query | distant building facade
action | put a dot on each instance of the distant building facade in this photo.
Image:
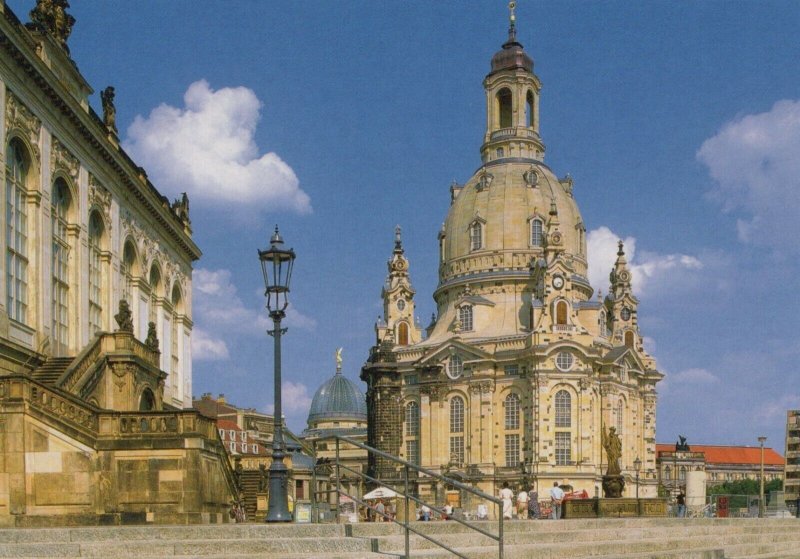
(338, 408)
(95, 313)
(719, 463)
(523, 363)
(791, 484)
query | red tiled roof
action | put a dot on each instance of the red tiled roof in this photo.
(228, 424)
(731, 454)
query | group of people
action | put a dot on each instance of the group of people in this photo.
(527, 503)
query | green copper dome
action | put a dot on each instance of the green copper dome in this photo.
(338, 399)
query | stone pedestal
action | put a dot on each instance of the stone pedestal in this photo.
(613, 486)
(614, 508)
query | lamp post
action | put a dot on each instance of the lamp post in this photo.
(761, 441)
(276, 265)
(637, 466)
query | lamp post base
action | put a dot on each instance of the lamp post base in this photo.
(278, 505)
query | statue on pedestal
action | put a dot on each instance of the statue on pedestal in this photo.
(613, 481)
(124, 317)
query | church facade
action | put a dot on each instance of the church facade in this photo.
(95, 314)
(523, 364)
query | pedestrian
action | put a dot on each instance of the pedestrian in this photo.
(557, 497)
(448, 512)
(507, 496)
(380, 510)
(426, 513)
(534, 511)
(522, 504)
(681, 500)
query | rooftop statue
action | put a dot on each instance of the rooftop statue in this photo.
(51, 17)
(109, 110)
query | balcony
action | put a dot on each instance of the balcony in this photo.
(563, 328)
(514, 133)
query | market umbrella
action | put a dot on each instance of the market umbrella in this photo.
(381, 493)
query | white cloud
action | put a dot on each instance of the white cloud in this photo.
(221, 315)
(646, 270)
(206, 348)
(295, 399)
(694, 376)
(207, 149)
(773, 411)
(754, 161)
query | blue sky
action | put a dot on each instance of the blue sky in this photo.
(679, 122)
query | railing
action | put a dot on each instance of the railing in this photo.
(410, 470)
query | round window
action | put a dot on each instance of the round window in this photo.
(401, 304)
(564, 360)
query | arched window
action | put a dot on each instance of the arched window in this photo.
(561, 313)
(147, 402)
(668, 473)
(95, 274)
(537, 237)
(16, 233)
(465, 317)
(127, 271)
(563, 409)
(512, 412)
(601, 323)
(529, 109)
(629, 338)
(155, 290)
(412, 432)
(59, 265)
(476, 236)
(620, 416)
(504, 107)
(402, 333)
(177, 309)
(682, 475)
(457, 430)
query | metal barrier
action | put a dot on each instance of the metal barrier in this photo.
(406, 495)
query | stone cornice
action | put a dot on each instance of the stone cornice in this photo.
(89, 127)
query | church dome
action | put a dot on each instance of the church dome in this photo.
(338, 399)
(510, 57)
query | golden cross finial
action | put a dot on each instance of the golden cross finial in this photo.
(512, 18)
(511, 7)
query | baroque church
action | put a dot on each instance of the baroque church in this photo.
(95, 317)
(523, 364)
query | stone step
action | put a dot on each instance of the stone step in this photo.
(270, 547)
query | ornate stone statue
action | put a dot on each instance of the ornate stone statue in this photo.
(181, 208)
(613, 447)
(51, 17)
(123, 317)
(152, 339)
(339, 359)
(109, 110)
(263, 481)
(613, 481)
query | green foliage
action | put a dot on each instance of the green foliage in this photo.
(744, 487)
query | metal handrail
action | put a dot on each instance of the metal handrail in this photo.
(407, 497)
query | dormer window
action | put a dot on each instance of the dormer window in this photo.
(537, 236)
(465, 317)
(476, 236)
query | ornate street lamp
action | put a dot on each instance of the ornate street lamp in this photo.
(761, 441)
(637, 466)
(276, 264)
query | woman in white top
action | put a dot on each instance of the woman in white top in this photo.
(507, 496)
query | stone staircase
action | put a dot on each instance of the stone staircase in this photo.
(250, 481)
(52, 369)
(575, 539)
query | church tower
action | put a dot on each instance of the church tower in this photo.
(398, 324)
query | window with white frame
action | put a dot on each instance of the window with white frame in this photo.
(512, 412)
(455, 366)
(563, 448)
(620, 416)
(16, 233)
(564, 360)
(412, 432)
(457, 430)
(95, 274)
(512, 450)
(602, 324)
(563, 409)
(59, 265)
(465, 317)
(511, 369)
(537, 236)
(476, 236)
